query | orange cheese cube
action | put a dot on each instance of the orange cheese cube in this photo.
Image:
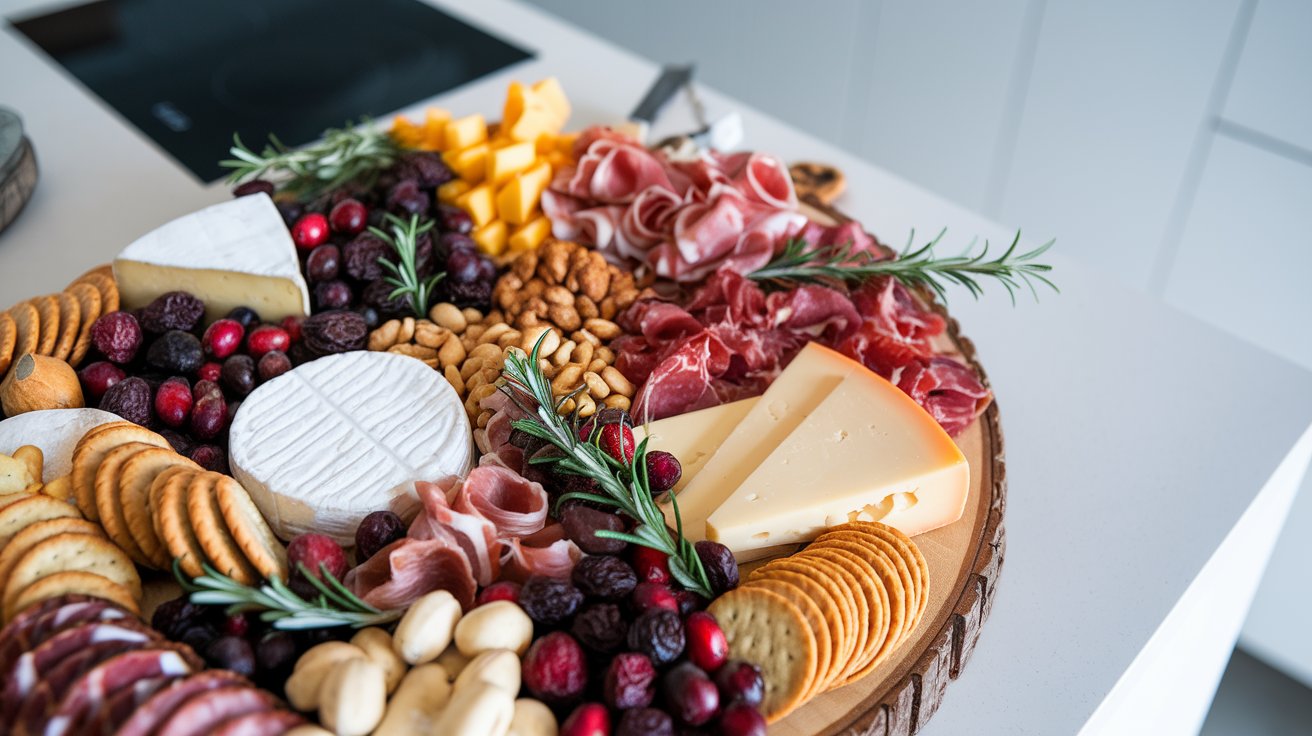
(545, 144)
(449, 192)
(535, 122)
(565, 143)
(530, 234)
(478, 203)
(518, 200)
(491, 238)
(465, 132)
(405, 132)
(503, 163)
(550, 93)
(435, 120)
(468, 163)
(514, 106)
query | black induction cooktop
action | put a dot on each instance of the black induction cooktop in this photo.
(191, 73)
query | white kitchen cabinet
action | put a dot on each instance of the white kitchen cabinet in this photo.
(1272, 89)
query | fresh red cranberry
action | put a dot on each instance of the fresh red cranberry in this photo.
(237, 624)
(223, 338)
(555, 670)
(210, 371)
(502, 590)
(265, 338)
(617, 441)
(210, 457)
(741, 719)
(653, 565)
(97, 377)
(707, 647)
(654, 595)
(690, 696)
(740, 682)
(663, 471)
(315, 550)
(173, 401)
(348, 216)
(209, 415)
(205, 388)
(589, 719)
(292, 325)
(310, 231)
(630, 681)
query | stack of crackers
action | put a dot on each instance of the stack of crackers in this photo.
(828, 615)
(58, 325)
(159, 506)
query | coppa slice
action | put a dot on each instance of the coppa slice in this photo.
(866, 452)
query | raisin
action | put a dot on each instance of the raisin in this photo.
(176, 310)
(407, 198)
(130, 399)
(334, 332)
(658, 633)
(476, 294)
(238, 375)
(645, 722)
(604, 577)
(378, 295)
(549, 601)
(117, 335)
(176, 352)
(425, 167)
(601, 627)
(581, 526)
(721, 568)
(361, 256)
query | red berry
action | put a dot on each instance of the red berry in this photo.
(237, 624)
(223, 338)
(97, 377)
(663, 471)
(589, 719)
(617, 441)
(741, 682)
(209, 415)
(653, 565)
(205, 388)
(117, 335)
(348, 216)
(314, 550)
(555, 671)
(690, 696)
(741, 719)
(211, 371)
(173, 401)
(654, 595)
(707, 647)
(310, 231)
(502, 590)
(292, 325)
(265, 338)
(630, 681)
(273, 364)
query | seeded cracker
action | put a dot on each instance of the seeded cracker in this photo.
(16, 516)
(39, 532)
(764, 628)
(70, 553)
(824, 645)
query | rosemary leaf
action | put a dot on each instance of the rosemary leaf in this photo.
(342, 156)
(404, 240)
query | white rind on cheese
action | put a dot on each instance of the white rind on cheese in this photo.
(238, 253)
(55, 431)
(325, 444)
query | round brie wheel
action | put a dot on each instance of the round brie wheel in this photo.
(325, 444)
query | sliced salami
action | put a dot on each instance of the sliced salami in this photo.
(38, 623)
(119, 705)
(32, 708)
(265, 723)
(27, 671)
(198, 714)
(163, 703)
(85, 696)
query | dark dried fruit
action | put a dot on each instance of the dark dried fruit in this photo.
(232, 653)
(605, 577)
(327, 333)
(361, 256)
(246, 316)
(663, 471)
(97, 377)
(238, 375)
(175, 615)
(549, 601)
(645, 722)
(425, 167)
(721, 567)
(209, 416)
(176, 352)
(378, 296)
(176, 310)
(476, 294)
(555, 671)
(601, 627)
(117, 335)
(332, 295)
(740, 682)
(741, 719)
(130, 399)
(180, 443)
(581, 524)
(658, 633)
(630, 681)
(690, 695)
(210, 457)
(407, 198)
(453, 219)
(377, 530)
(254, 186)
(273, 364)
(323, 264)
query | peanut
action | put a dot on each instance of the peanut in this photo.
(417, 702)
(582, 353)
(477, 710)
(496, 625)
(498, 667)
(453, 377)
(353, 698)
(585, 406)
(567, 379)
(451, 353)
(450, 317)
(616, 380)
(453, 661)
(597, 386)
(602, 328)
(306, 681)
(618, 401)
(532, 718)
(426, 628)
(430, 335)
(377, 646)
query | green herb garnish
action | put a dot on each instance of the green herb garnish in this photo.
(624, 486)
(343, 156)
(801, 263)
(404, 239)
(335, 605)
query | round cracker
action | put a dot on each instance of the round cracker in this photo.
(75, 583)
(135, 479)
(109, 509)
(909, 574)
(764, 628)
(885, 600)
(91, 450)
(104, 269)
(70, 321)
(211, 530)
(104, 283)
(27, 326)
(911, 553)
(47, 308)
(8, 341)
(870, 601)
(8, 498)
(18, 515)
(833, 597)
(40, 531)
(88, 299)
(168, 499)
(815, 618)
(252, 532)
(70, 552)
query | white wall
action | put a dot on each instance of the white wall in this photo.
(1167, 142)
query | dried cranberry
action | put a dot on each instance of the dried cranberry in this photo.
(741, 719)
(97, 377)
(323, 264)
(589, 719)
(582, 523)
(209, 416)
(605, 577)
(210, 457)
(273, 364)
(630, 681)
(313, 551)
(453, 219)
(173, 401)
(246, 316)
(327, 333)
(210, 371)
(223, 338)
(659, 634)
(601, 627)
(653, 565)
(721, 567)
(707, 646)
(740, 682)
(378, 295)
(407, 198)
(501, 590)
(549, 601)
(117, 335)
(176, 352)
(361, 257)
(348, 216)
(291, 324)
(310, 231)
(264, 338)
(663, 471)
(130, 399)
(645, 722)
(238, 375)
(690, 695)
(254, 186)
(176, 310)
(375, 531)
(555, 671)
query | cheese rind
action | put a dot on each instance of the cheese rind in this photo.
(234, 254)
(55, 431)
(325, 444)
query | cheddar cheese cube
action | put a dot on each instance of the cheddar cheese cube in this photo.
(553, 96)
(530, 234)
(468, 163)
(478, 203)
(514, 106)
(465, 132)
(565, 143)
(449, 192)
(518, 200)
(504, 163)
(491, 238)
(533, 123)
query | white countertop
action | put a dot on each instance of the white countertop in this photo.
(1137, 437)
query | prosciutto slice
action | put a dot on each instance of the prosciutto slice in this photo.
(400, 573)
(475, 535)
(546, 553)
(515, 506)
(948, 390)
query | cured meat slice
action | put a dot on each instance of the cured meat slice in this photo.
(27, 671)
(948, 390)
(197, 715)
(265, 723)
(546, 553)
(119, 705)
(406, 569)
(87, 693)
(18, 711)
(34, 625)
(515, 506)
(475, 535)
(159, 706)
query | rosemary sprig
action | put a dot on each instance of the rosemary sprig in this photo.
(342, 156)
(336, 605)
(404, 239)
(624, 486)
(801, 263)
